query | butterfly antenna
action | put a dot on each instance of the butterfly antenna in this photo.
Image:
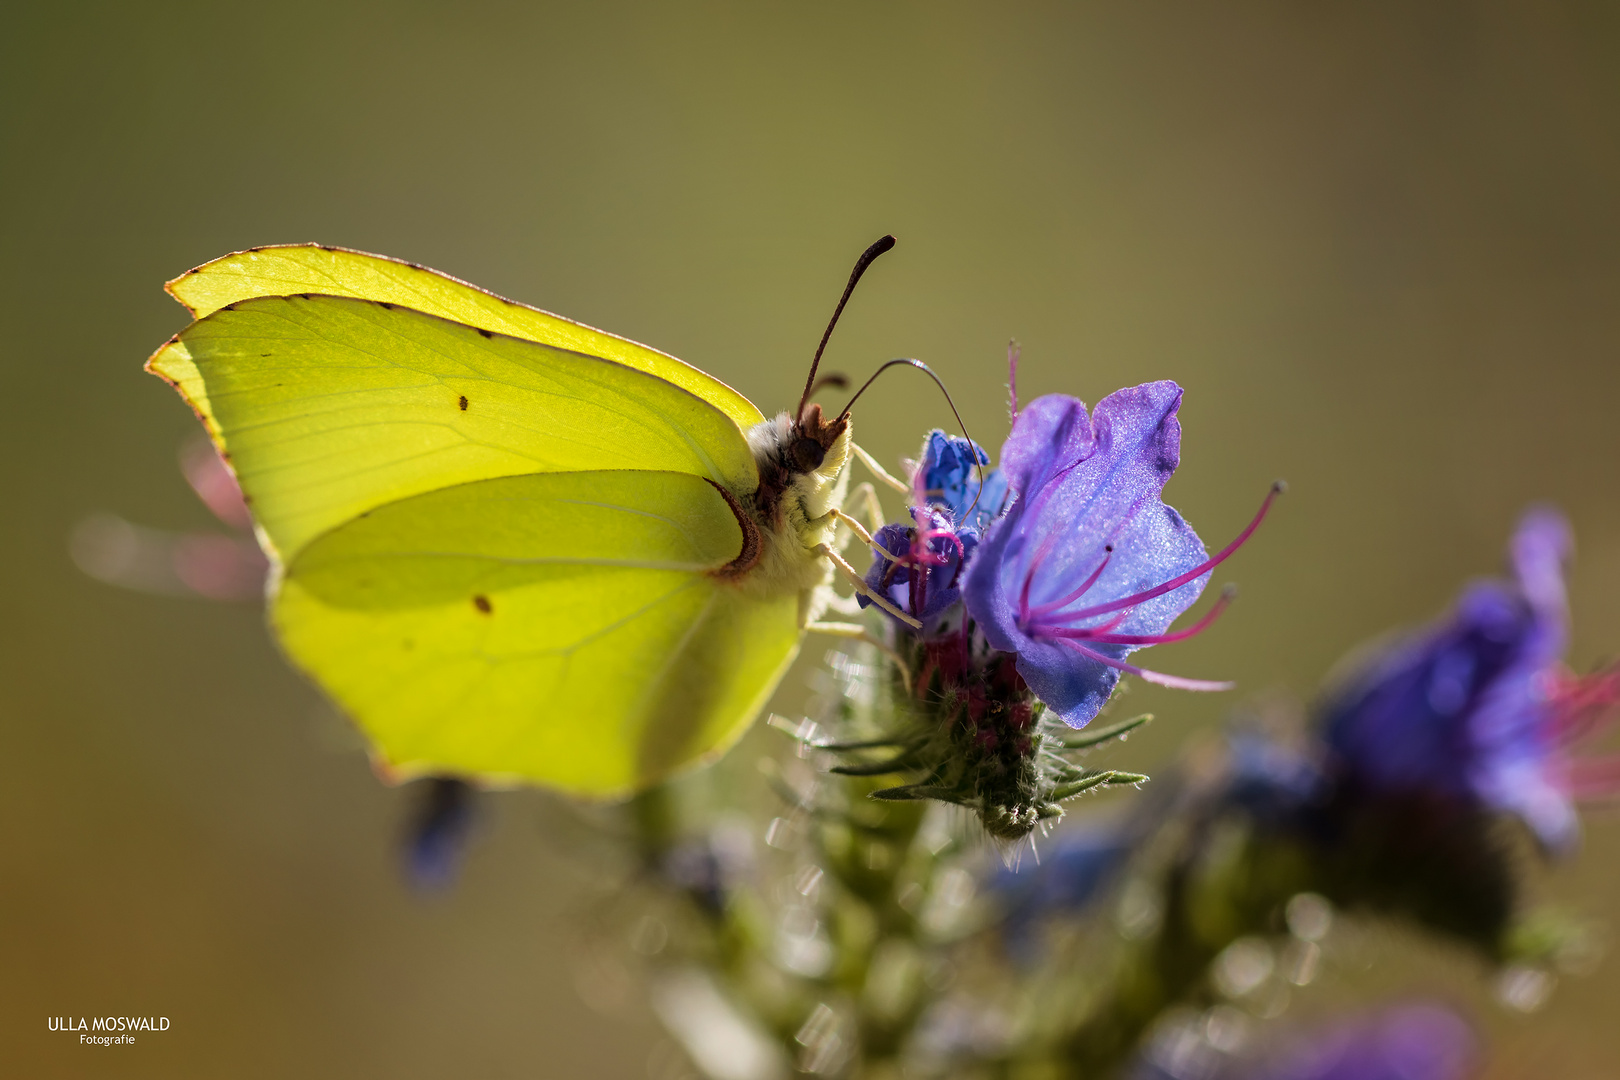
(926, 370)
(832, 378)
(866, 259)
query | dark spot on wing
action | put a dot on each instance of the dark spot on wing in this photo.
(463, 402)
(307, 295)
(262, 356)
(486, 333)
(385, 304)
(326, 247)
(228, 307)
(481, 602)
(416, 266)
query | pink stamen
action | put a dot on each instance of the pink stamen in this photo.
(927, 555)
(1085, 587)
(1583, 705)
(1594, 778)
(1180, 579)
(1100, 635)
(1035, 561)
(1174, 682)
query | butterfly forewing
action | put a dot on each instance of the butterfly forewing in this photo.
(291, 269)
(328, 407)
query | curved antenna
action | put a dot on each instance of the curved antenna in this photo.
(926, 370)
(832, 378)
(881, 245)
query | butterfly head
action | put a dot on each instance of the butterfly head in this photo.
(804, 457)
(815, 438)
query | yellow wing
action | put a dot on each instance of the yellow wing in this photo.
(291, 269)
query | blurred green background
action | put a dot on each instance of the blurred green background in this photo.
(1378, 243)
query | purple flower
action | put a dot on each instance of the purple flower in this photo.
(1272, 780)
(949, 476)
(1088, 564)
(1413, 1041)
(1069, 876)
(1081, 865)
(923, 576)
(1479, 706)
(438, 834)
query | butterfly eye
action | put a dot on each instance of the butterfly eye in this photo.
(807, 454)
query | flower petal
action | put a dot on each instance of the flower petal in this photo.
(1083, 486)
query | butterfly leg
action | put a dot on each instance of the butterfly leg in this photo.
(860, 633)
(880, 472)
(874, 510)
(866, 537)
(867, 497)
(855, 579)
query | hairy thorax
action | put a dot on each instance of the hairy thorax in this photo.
(802, 479)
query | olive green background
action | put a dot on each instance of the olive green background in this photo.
(1378, 243)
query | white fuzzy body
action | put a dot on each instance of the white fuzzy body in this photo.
(789, 562)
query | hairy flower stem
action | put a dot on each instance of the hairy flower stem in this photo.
(842, 873)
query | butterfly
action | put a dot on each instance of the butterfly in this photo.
(508, 545)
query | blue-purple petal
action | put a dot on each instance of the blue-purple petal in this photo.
(1413, 1041)
(951, 467)
(1082, 484)
(944, 582)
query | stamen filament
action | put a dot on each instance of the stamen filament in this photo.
(1594, 778)
(1035, 561)
(1100, 635)
(1174, 682)
(1180, 579)
(1085, 587)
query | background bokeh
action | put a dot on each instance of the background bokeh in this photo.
(1378, 243)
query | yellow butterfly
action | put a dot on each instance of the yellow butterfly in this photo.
(509, 545)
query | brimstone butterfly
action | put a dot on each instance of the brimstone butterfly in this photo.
(510, 546)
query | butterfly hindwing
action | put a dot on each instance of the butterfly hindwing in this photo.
(562, 628)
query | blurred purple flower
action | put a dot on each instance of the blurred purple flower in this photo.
(1412, 1041)
(1479, 706)
(437, 838)
(1271, 779)
(1415, 1040)
(1077, 867)
(949, 476)
(1088, 524)
(924, 576)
